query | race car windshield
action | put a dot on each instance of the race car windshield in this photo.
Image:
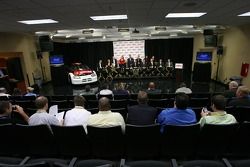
(80, 67)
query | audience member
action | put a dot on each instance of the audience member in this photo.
(232, 88)
(119, 89)
(141, 114)
(105, 118)
(183, 89)
(242, 97)
(78, 115)
(17, 92)
(88, 91)
(3, 92)
(6, 108)
(30, 92)
(152, 89)
(179, 115)
(105, 91)
(218, 116)
(41, 116)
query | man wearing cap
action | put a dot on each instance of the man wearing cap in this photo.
(30, 92)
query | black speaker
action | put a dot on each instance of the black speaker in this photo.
(220, 50)
(46, 45)
(208, 32)
(39, 55)
(210, 40)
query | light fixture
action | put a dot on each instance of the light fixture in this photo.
(104, 37)
(184, 15)
(109, 17)
(245, 14)
(173, 35)
(41, 21)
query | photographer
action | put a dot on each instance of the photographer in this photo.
(6, 109)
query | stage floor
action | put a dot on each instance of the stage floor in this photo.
(134, 85)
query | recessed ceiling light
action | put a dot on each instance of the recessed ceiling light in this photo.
(41, 21)
(183, 15)
(245, 14)
(109, 17)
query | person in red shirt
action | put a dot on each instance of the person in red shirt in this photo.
(122, 62)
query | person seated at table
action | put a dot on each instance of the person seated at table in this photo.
(109, 64)
(138, 62)
(122, 62)
(130, 62)
(145, 62)
(160, 64)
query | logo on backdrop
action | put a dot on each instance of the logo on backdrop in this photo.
(126, 48)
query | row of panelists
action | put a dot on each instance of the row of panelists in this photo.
(131, 62)
(141, 114)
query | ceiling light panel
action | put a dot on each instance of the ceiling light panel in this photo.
(109, 17)
(184, 15)
(245, 14)
(41, 21)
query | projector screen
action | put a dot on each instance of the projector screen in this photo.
(126, 48)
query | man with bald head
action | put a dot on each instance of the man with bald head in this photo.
(41, 116)
(232, 88)
(105, 118)
(152, 88)
(242, 99)
(142, 114)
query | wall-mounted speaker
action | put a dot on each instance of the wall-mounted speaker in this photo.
(220, 50)
(46, 44)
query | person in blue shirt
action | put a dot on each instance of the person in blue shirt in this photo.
(179, 115)
(30, 92)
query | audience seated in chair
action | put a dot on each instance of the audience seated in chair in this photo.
(120, 90)
(78, 115)
(88, 91)
(3, 92)
(5, 113)
(183, 89)
(179, 115)
(17, 92)
(232, 88)
(41, 116)
(105, 91)
(141, 114)
(152, 88)
(105, 118)
(242, 99)
(218, 116)
(30, 92)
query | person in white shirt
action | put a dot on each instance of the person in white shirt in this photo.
(78, 115)
(41, 117)
(105, 91)
(105, 118)
(183, 89)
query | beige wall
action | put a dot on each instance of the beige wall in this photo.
(236, 42)
(13, 42)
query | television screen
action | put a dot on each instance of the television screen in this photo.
(204, 56)
(210, 40)
(56, 60)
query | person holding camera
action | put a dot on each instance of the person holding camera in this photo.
(6, 109)
(219, 115)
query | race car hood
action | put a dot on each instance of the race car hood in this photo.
(82, 72)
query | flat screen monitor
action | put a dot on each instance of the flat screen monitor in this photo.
(204, 56)
(178, 66)
(56, 60)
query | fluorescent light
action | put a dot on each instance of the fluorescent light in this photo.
(109, 17)
(245, 14)
(42, 21)
(180, 15)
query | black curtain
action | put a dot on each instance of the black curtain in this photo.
(86, 53)
(177, 50)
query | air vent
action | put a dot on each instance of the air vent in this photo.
(123, 30)
(87, 31)
(161, 28)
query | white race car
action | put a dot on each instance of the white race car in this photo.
(81, 74)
